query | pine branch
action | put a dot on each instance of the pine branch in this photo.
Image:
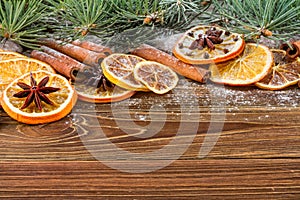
(174, 14)
(74, 18)
(132, 38)
(180, 14)
(20, 21)
(78, 18)
(278, 20)
(132, 13)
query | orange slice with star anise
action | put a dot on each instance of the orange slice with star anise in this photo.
(12, 68)
(208, 44)
(98, 95)
(38, 97)
(96, 88)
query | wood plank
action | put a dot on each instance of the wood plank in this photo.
(238, 139)
(224, 179)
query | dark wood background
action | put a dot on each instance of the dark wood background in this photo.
(256, 154)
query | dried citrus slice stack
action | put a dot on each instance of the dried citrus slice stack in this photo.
(13, 68)
(6, 55)
(118, 68)
(38, 97)
(284, 73)
(97, 95)
(252, 65)
(157, 77)
(208, 44)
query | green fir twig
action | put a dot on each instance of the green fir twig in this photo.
(20, 21)
(77, 18)
(275, 19)
(179, 14)
(129, 14)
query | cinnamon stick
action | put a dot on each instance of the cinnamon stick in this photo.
(63, 64)
(151, 53)
(93, 46)
(81, 54)
(292, 52)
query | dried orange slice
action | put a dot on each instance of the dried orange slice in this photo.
(13, 68)
(62, 100)
(252, 65)
(96, 95)
(6, 55)
(157, 77)
(208, 44)
(118, 69)
(284, 73)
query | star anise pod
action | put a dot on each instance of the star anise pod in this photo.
(97, 79)
(212, 36)
(35, 92)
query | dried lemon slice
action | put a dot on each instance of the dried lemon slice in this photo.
(157, 77)
(118, 69)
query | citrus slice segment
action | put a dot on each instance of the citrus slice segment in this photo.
(96, 95)
(157, 77)
(284, 73)
(13, 68)
(62, 100)
(118, 69)
(208, 44)
(252, 65)
(6, 55)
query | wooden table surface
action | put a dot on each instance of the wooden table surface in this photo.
(200, 141)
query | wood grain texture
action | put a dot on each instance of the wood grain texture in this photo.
(256, 154)
(209, 179)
